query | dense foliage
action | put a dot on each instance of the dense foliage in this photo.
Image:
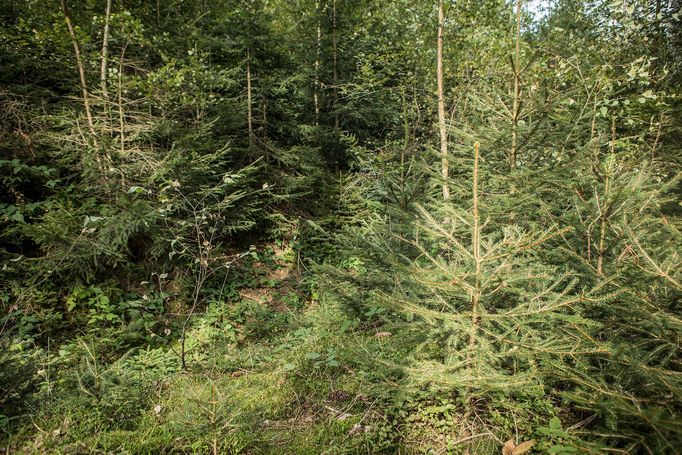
(334, 226)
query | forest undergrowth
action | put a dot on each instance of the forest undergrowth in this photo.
(333, 226)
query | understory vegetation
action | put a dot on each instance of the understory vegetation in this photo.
(335, 226)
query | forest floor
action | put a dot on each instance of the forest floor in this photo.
(271, 370)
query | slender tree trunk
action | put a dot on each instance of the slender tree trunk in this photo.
(658, 137)
(264, 132)
(81, 73)
(604, 207)
(406, 145)
(121, 117)
(335, 69)
(249, 106)
(593, 132)
(263, 128)
(316, 95)
(593, 127)
(441, 103)
(602, 230)
(105, 54)
(476, 246)
(517, 89)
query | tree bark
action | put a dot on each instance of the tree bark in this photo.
(105, 54)
(604, 206)
(335, 68)
(249, 105)
(121, 116)
(476, 247)
(517, 90)
(81, 73)
(441, 103)
(316, 95)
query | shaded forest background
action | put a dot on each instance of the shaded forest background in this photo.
(334, 226)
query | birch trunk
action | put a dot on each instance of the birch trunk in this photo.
(441, 103)
(81, 73)
(517, 90)
(476, 247)
(316, 95)
(249, 105)
(335, 69)
(105, 54)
